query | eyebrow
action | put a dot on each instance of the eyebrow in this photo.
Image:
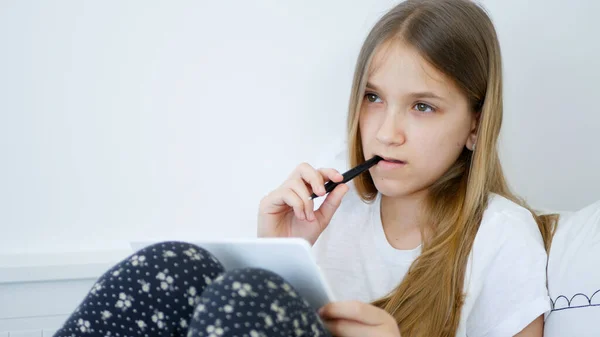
(414, 95)
(372, 86)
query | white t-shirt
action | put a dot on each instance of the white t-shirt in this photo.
(505, 281)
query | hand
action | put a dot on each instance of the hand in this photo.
(288, 210)
(358, 319)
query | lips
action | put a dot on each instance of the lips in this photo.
(393, 160)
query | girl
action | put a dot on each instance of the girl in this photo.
(429, 242)
(431, 236)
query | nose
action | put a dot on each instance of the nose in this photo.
(392, 128)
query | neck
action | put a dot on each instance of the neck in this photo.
(400, 219)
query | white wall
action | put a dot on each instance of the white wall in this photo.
(551, 134)
(123, 120)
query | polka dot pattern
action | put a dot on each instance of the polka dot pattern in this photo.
(179, 289)
(253, 302)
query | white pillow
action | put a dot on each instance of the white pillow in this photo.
(574, 275)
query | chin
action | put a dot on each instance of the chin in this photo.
(394, 188)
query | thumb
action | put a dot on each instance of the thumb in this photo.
(331, 204)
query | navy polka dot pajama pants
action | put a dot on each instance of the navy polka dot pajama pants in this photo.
(179, 289)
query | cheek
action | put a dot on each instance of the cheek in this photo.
(442, 147)
(365, 124)
(448, 133)
(442, 141)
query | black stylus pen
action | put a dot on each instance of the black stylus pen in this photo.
(350, 174)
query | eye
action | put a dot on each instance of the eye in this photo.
(371, 97)
(422, 107)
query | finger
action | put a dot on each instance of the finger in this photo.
(331, 174)
(290, 198)
(345, 328)
(354, 311)
(300, 188)
(331, 203)
(283, 197)
(313, 178)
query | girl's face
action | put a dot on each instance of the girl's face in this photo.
(413, 116)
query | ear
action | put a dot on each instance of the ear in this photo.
(472, 138)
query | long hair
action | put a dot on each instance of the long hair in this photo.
(458, 38)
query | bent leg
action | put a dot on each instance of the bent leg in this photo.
(153, 292)
(254, 302)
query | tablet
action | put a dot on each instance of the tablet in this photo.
(290, 258)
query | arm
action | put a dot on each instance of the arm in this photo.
(513, 293)
(534, 329)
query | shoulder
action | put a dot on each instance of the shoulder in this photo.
(508, 222)
(508, 242)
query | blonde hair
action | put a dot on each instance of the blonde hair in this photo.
(458, 38)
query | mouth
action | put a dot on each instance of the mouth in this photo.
(389, 163)
(391, 160)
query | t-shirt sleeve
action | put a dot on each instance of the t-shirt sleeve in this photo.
(513, 292)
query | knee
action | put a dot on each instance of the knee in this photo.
(257, 275)
(173, 254)
(172, 250)
(254, 282)
(251, 274)
(244, 290)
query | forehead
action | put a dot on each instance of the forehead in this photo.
(398, 67)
